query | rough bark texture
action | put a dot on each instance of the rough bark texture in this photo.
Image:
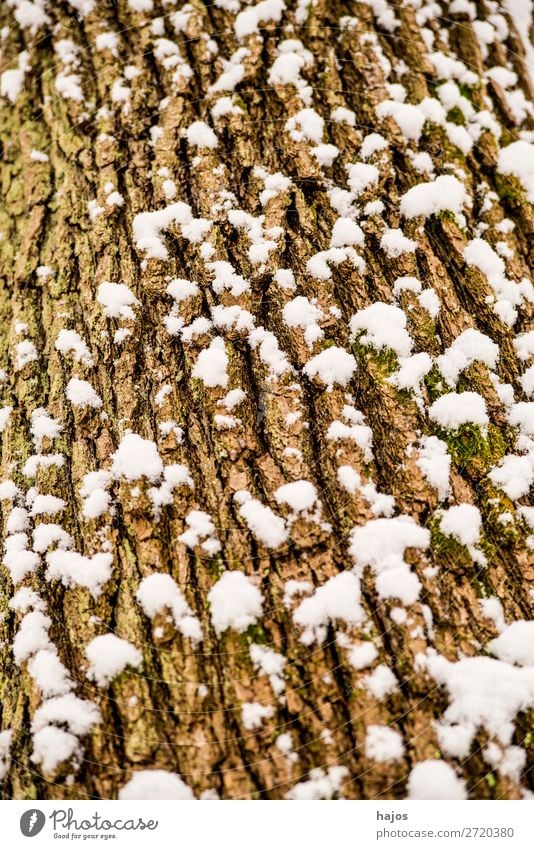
(158, 716)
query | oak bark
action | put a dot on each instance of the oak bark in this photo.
(159, 716)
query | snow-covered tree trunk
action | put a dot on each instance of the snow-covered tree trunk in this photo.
(266, 433)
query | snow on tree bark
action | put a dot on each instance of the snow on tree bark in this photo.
(266, 433)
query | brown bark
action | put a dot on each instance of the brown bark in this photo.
(156, 716)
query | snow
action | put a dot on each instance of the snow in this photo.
(381, 682)
(158, 592)
(361, 177)
(93, 491)
(411, 372)
(74, 569)
(286, 69)
(48, 673)
(514, 475)
(5, 414)
(382, 326)
(5, 746)
(306, 125)
(83, 7)
(342, 115)
(435, 780)
(174, 475)
(30, 15)
(18, 520)
(522, 15)
(410, 119)
(275, 184)
(107, 41)
(524, 345)
(141, 5)
(235, 602)
(70, 342)
(52, 746)
(199, 134)
(137, 458)
(19, 561)
(521, 415)
(227, 278)
(480, 254)
(26, 352)
(434, 462)
(469, 347)
(357, 431)
(155, 784)
(455, 409)
(108, 656)
(338, 599)
(212, 363)
(349, 478)
(394, 243)
(46, 534)
(426, 199)
(8, 490)
(228, 81)
(515, 644)
(463, 522)
(398, 583)
(334, 365)
(233, 399)
(318, 264)
(47, 505)
(25, 599)
(149, 226)
(492, 608)
(253, 715)
(69, 87)
(11, 83)
(114, 199)
(43, 426)
(383, 744)
(345, 233)
(120, 93)
(226, 422)
(381, 543)
(77, 714)
(180, 289)
(363, 655)
(322, 784)
(284, 743)
(117, 300)
(32, 636)
(508, 294)
(271, 663)
(325, 154)
(248, 21)
(483, 693)
(518, 159)
(200, 527)
(266, 526)
(81, 394)
(300, 312)
(300, 495)
(169, 189)
(373, 143)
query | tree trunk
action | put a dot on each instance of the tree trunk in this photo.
(96, 130)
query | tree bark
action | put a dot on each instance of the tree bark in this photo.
(181, 710)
